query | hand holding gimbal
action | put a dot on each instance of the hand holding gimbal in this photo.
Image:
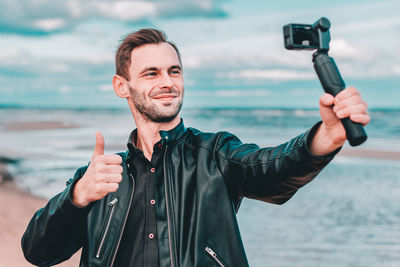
(316, 36)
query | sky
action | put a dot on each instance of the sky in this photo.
(61, 53)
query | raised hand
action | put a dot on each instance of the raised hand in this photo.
(102, 176)
(331, 134)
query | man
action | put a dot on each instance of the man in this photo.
(172, 198)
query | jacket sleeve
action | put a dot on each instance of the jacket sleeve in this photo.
(271, 174)
(56, 231)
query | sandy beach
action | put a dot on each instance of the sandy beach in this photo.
(19, 206)
(15, 212)
(37, 125)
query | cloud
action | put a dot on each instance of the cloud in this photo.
(396, 69)
(344, 49)
(51, 24)
(238, 50)
(11, 56)
(126, 10)
(32, 17)
(364, 44)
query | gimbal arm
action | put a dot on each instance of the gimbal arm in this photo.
(332, 82)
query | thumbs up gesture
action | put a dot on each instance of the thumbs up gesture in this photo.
(102, 176)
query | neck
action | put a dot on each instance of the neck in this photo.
(148, 132)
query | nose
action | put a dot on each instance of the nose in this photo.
(165, 81)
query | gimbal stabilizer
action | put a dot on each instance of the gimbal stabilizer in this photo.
(316, 36)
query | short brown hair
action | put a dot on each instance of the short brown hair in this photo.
(136, 39)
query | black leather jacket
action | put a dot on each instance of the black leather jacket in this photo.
(206, 175)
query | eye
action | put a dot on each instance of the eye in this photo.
(176, 72)
(150, 74)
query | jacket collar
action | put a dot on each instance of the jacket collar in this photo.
(167, 137)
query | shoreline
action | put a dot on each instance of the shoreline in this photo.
(59, 124)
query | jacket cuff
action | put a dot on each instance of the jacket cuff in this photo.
(309, 135)
(67, 205)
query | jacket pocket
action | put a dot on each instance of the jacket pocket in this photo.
(214, 256)
(112, 205)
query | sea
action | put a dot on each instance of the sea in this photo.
(348, 216)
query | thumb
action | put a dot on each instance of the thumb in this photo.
(326, 110)
(99, 148)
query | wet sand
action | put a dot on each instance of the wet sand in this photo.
(37, 125)
(375, 154)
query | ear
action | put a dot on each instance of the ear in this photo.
(120, 85)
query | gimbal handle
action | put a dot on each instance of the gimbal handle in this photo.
(332, 82)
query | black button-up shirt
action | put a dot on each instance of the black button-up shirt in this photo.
(138, 245)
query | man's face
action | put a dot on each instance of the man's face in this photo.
(156, 82)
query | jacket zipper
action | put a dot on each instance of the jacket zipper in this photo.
(214, 256)
(112, 205)
(167, 207)
(126, 217)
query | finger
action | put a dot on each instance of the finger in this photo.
(327, 100)
(350, 101)
(325, 109)
(355, 109)
(346, 93)
(363, 119)
(105, 188)
(99, 147)
(114, 169)
(110, 187)
(109, 178)
(112, 159)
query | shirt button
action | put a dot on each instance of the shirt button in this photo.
(151, 236)
(152, 202)
(152, 170)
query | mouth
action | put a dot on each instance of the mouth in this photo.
(165, 96)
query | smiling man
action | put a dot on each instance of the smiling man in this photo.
(171, 199)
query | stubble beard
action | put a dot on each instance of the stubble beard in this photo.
(157, 113)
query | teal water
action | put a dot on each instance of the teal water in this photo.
(199, 93)
(348, 216)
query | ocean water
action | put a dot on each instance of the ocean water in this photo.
(348, 216)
